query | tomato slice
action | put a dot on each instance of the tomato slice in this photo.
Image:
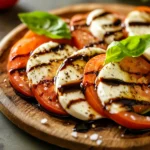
(91, 69)
(82, 38)
(81, 35)
(18, 58)
(19, 81)
(47, 97)
(143, 8)
(132, 120)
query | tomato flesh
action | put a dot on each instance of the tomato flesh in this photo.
(90, 72)
(47, 97)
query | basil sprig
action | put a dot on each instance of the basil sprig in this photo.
(44, 23)
(132, 46)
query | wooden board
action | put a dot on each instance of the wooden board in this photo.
(58, 131)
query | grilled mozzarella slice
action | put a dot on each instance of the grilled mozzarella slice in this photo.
(115, 72)
(45, 60)
(138, 23)
(115, 86)
(68, 81)
(105, 25)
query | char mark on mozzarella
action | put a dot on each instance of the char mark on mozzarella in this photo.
(45, 60)
(133, 23)
(68, 84)
(119, 90)
(46, 51)
(105, 26)
(138, 22)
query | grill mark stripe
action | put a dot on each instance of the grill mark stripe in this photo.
(116, 82)
(127, 101)
(70, 86)
(130, 103)
(109, 33)
(102, 15)
(54, 49)
(74, 27)
(139, 23)
(72, 102)
(74, 58)
(42, 65)
(117, 22)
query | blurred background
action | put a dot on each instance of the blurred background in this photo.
(11, 137)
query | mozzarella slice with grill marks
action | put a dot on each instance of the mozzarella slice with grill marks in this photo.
(115, 86)
(137, 23)
(114, 71)
(68, 81)
(105, 25)
(45, 60)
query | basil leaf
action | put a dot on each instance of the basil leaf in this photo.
(46, 24)
(132, 46)
(112, 54)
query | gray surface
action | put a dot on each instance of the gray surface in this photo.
(12, 138)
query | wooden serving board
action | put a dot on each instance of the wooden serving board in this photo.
(58, 131)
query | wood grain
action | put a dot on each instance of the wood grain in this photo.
(27, 115)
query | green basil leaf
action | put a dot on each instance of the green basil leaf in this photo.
(132, 46)
(113, 55)
(46, 24)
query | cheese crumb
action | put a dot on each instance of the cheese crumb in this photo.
(94, 137)
(44, 121)
(74, 134)
(98, 142)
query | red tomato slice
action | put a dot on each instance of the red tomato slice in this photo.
(143, 8)
(93, 66)
(19, 81)
(18, 58)
(131, 120)
(82, 36)
(127, 119)
(47, 97)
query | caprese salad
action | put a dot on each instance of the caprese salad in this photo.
(96, 65)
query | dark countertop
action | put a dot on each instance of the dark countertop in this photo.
(11, 137)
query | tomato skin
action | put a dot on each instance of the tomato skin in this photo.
(18, 58)
(130, 120)
(16, 67)
(48, 99)
(81, 35)
(91, 68)
(20, 83)
(143, 8)
(7, 3)
(127, 119)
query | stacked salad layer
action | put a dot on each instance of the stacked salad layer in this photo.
(92, 66)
